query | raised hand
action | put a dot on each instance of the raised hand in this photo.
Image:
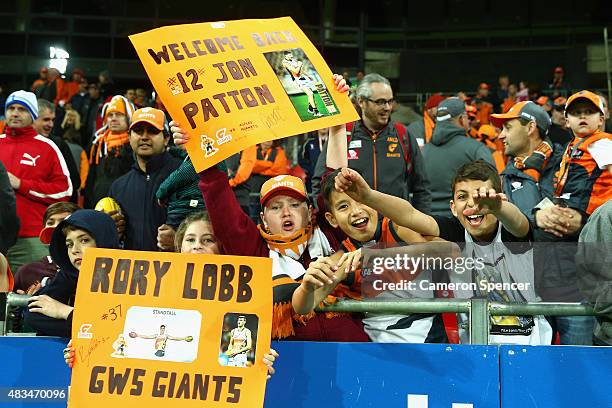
(179, 136)
(350, 182)
(486, 201)
(340, 83)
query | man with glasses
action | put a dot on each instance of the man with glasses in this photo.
(381, 150)
(448, 150)
(146, 228)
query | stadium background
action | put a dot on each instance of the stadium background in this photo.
(422, 47)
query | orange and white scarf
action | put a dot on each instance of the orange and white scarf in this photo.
(287, 272)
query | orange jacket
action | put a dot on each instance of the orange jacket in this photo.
(429, 124)
(580, 179)
(70, 89)
(500, 160)
(84, 169)
(508, 103)
(265, 167)
(485, 109)
(247, 162)
(37, 83)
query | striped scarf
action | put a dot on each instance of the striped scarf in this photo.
(537, 161)
(107, 144)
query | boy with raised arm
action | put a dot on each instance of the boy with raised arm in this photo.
(490, 230)
(290, 236)
(364, 227)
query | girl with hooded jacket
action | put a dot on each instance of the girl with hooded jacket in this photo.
(49, 312)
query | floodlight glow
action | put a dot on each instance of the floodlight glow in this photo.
(58, 59)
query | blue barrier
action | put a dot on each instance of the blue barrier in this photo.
(555, 377)
(383, 375)
(32, 363)
(377, 375)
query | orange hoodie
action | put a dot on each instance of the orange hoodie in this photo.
(247, 162)
(265, 167)
(429, 124)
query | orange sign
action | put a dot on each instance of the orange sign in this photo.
(234, 84)
(159, 329)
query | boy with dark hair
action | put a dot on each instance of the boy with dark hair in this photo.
(49, 312)
(584, 179)
(484, 225)
(364, 227)
(582, 183)
(31, 277)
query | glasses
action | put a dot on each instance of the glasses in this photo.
(381, 102)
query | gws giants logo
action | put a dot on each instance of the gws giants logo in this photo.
(85, 331)
(144, 113)
(222, 137)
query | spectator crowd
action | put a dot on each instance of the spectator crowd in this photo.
(513, 175)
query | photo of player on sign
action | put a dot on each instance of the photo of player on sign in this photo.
(161, 339)
(307, 92)
(238, 340)
(161, 334)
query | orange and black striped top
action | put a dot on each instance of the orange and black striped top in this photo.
(579, 179)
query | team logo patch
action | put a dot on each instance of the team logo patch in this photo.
(353, 154)
(85, 331)
(516, 185)
(577, 154)
(392, 147)
(222, 136)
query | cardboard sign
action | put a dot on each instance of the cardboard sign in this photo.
(159, 329)
(234, 84)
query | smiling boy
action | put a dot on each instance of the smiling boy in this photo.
(484, 224)
(364, 227)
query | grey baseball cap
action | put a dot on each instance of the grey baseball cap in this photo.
(526, 110)
(450, 108)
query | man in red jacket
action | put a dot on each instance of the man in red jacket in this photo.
(37, 172)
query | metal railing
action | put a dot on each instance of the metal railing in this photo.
(478, 310)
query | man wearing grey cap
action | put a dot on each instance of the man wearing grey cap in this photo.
(528, 183)
(528, 176)
(448, 150)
